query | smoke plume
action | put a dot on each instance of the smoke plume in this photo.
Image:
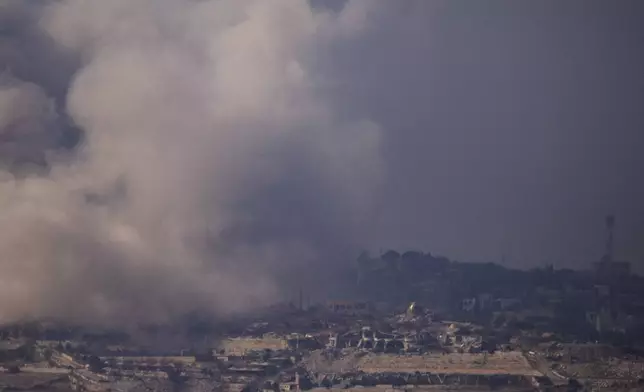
(159, 157)
(213, 168)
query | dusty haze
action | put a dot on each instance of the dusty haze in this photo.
(210, 164)
(228, 147)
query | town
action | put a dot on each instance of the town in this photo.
(321, 195)
(421, 322)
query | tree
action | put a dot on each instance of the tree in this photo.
(412, 255)
(391, 259)
(391, 256)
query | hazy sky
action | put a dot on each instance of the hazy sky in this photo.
(231, 145)
(512, 127)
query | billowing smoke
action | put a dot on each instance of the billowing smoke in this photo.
(213, 170)
(159, 157)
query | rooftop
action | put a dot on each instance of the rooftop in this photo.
(8, 345)
(507, 363)
(240, 345)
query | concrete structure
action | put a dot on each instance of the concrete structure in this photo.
(499, 363)
(242, 346)
(373, 340)
(85, 380)
(150, 361)
(11, 350)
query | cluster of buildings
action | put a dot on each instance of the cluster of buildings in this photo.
(339, 345)
(420, 322)
(341, 348)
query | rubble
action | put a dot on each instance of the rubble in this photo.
(510, 335)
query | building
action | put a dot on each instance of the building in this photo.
(243, 346)
(13, 350)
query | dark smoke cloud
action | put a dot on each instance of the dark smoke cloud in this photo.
(235, 149)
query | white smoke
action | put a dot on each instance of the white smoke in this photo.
(27, 121)
(211, 162)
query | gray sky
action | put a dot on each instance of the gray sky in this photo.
(512, 127)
